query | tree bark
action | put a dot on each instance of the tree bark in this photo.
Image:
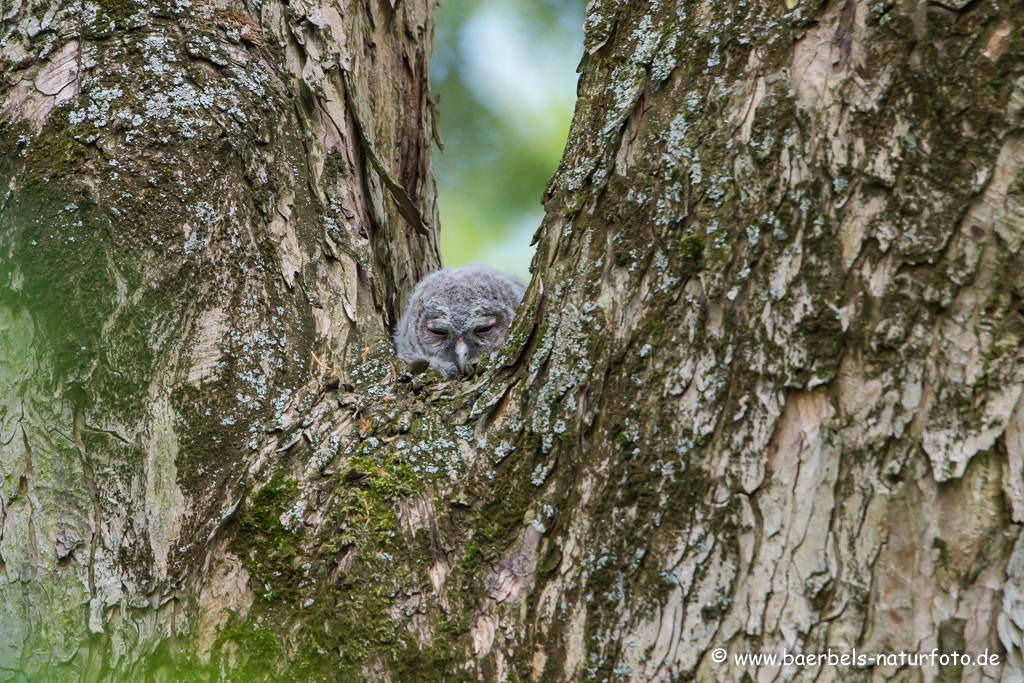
(811, 443)
(197, 199)
(763, 394)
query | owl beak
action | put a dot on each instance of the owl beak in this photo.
(461, 355)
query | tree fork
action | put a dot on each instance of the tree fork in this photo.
(770, 399)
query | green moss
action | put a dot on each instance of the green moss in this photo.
(346, 579)
(261, 515)
(390, 477)
(54, 152)
(347, 618)
(120, 11)
(267, 548)
(260, 645)
(494, 524)
(350, 574)
(691, 256)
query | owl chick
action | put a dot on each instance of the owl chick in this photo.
(456, 314)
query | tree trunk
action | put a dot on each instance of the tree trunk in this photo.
(763, 394)
(197, 199)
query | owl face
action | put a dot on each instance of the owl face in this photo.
(456, 314)
(461, 339)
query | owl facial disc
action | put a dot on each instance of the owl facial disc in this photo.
(455, 315)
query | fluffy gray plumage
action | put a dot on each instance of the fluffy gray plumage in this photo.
(456, 314)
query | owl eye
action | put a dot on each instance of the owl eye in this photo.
(437, 331)
(485, 329)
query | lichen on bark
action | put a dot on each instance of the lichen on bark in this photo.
(762, 393)
(180, 250)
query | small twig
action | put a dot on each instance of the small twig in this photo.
(323, 366)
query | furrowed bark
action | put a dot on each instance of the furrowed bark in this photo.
(197, 199)
(763, 393)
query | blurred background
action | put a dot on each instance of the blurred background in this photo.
(505, 71)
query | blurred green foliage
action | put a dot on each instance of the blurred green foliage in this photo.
(505, 71)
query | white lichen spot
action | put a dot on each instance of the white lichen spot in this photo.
(753, 234)
(541, 473)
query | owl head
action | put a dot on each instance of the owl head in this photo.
(456, 314)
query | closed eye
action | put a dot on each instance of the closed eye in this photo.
(437, 331)
(485, 329)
